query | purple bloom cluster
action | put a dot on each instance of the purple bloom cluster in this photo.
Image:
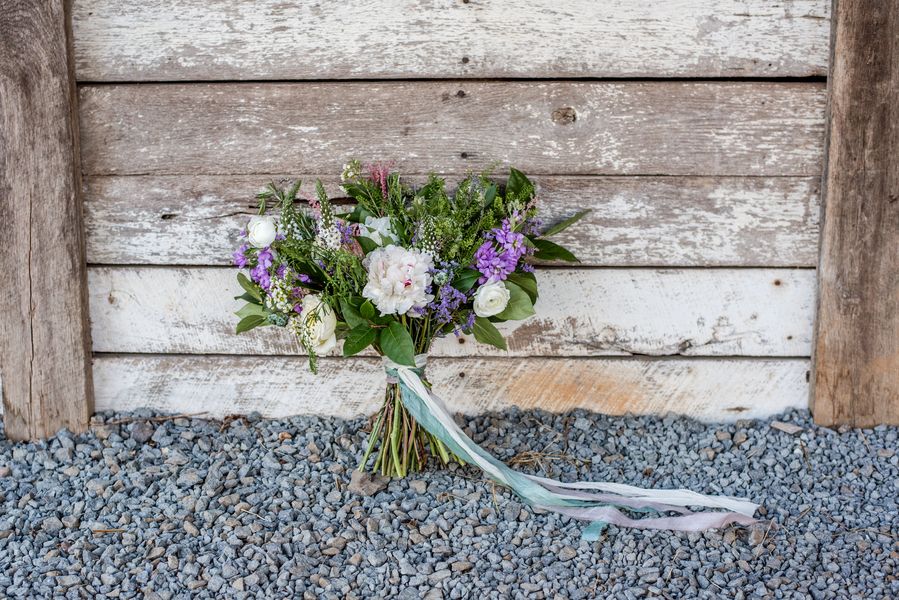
(347, 231)
(260, 273)
(469, 324)
(449, 299)
(499, 255)
(240, 258)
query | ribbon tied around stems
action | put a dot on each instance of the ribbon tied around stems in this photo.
(599, 502)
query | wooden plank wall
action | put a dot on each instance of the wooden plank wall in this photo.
(694, 130)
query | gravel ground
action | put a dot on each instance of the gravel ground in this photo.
(256, 508)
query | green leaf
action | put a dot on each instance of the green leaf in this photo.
(563, 225)
(359, 339)
(246, 297)
(519, 306)
(487, 333)
(547, 250)
(367, 310)
(466, 279)
(250, 322)
(518, 185)
(351, 314)
(250, 287)
(527, 282)
(252, 309)
(489, 195)
(397, 344)
(368, 244)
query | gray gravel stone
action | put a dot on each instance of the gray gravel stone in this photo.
(267, 509)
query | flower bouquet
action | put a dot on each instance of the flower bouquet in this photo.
(402, 266)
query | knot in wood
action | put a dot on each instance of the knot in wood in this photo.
(564, 116)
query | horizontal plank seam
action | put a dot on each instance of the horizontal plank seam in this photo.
(539, 267)
(155, 175)
(632, 357)
(761, 79)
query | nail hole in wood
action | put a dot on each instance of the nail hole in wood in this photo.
(460, 93)
(169, 216)
(463, 154)
(464, 60)
(777, 282)
(462, 374)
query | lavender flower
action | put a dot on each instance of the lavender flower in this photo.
(449, 300)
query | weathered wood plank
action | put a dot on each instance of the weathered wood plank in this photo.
(270, 39)
(636, 221)
(612, 128)
(857, 345)
(706, 389)
(695, 312)
(44, 337)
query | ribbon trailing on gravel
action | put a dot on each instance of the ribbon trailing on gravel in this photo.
(598, 502)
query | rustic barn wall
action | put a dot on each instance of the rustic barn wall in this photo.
(693, 129)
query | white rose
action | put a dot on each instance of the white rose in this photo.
(398, 279)
(261, 231)
(378, 230)
(318, 324)
(491, 299)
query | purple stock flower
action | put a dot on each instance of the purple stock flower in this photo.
(240, 258)
(495, 266)
(260, 273)
(281, 271)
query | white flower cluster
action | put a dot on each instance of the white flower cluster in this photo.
(328, 237)
(378, 230)
(315, 325)
(278, 299)
(398, 279)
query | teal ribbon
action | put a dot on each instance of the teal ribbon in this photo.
(571, 499)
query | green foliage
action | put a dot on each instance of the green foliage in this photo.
(520, 305)
(358, 339)
(396, 342)
(250, 322)
(487, 333)
(565, 224)
(547, 250)
(527, 282)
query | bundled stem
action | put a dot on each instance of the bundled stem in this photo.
(403, 445)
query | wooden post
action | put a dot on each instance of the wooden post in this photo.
(44, 335)
(856, 354)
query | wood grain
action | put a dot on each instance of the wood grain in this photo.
(270, 39)
(44, 338)
(636, 221)
(618, 128)
(706, 389)
(856, 379)
(596, 312)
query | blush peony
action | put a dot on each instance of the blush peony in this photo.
(398, 279)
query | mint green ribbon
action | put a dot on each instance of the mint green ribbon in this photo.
(601, 503)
